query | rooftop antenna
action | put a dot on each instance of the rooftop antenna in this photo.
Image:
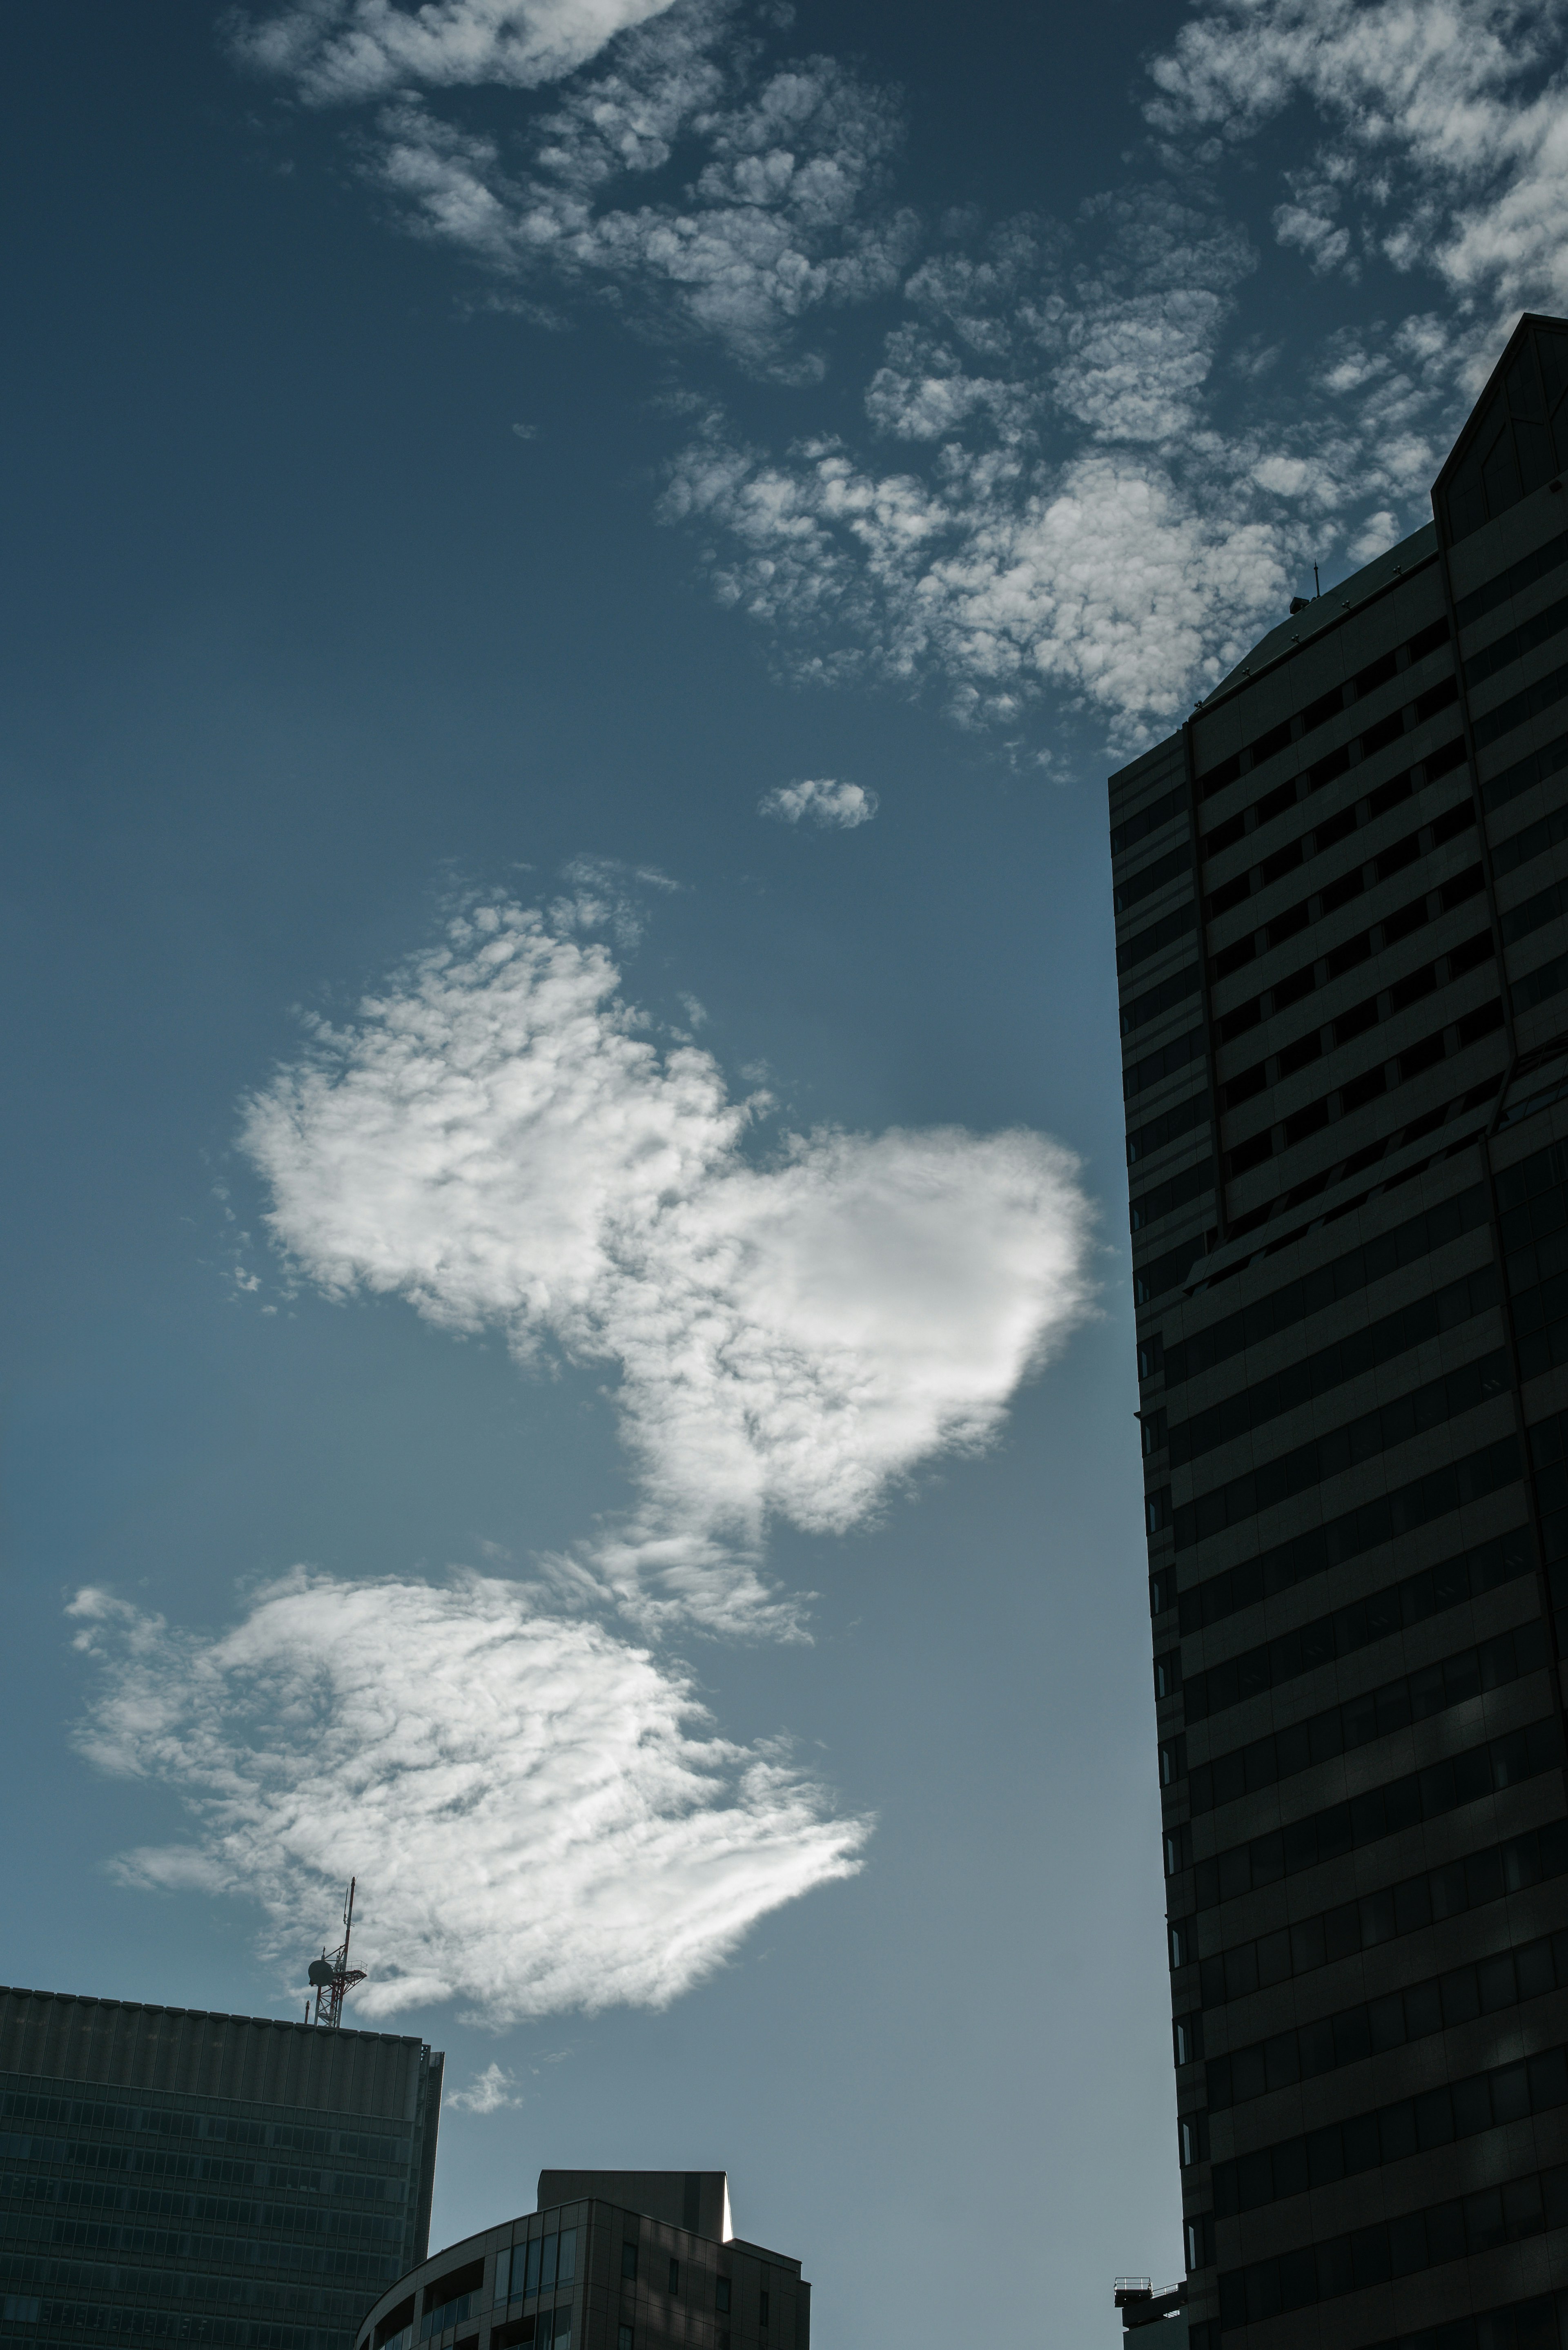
(1316, 583)
(331, 1976)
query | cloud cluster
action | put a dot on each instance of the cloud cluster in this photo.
(1447, 132)
(338, 51)
(498, 1140)
(783, 214)
(541, 1815)
(837, 807)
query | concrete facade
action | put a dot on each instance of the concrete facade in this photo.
(1341, 926)
(609, 2260)
(169, 2176)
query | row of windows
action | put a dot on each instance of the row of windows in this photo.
(1327, 1367)
(1521, 847)
(1535, 767)
(1154, 1068)
(1519, 2325)
(1490, 1987)
(1394, 1910)
(1412, 987)
(122, 2325)
(361, 2186)
(33, 2187)
(129, 2282)
(1361, 1721)
(1150, 877)
(1544, 694)
(1538, 986)
(1547, 905)
(1357, 878)
(1392, 2132)
(1326, 706)
(1308, 977)
(1537, 564)
(546, 2329)
(82, 2113)
(1154, 999)
(1340, 1828)
(1312, 1293)
(1412, 1600)
(173, 2244)
(1382, 1519)
(1166, 1197)
(1394, 2248)
(1291, 920)
(1345, 820)
(1304, 1466)
(1149, 819)
(1158, 1133)
(538, 2265)
(1525, 639)
(1179, 923)
(1370, 1085)
(1157, 1275)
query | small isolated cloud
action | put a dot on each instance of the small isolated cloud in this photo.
(527, 432)
(487, 2093)
(540, 1815)
(496, 1139)
(839, 806)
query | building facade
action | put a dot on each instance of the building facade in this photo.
(174, 2177)
(610, 2260)
(1342, 940)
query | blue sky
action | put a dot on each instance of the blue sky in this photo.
(576, 573)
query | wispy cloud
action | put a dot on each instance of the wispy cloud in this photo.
(540, 1815)
(488, 2092)
(784, 215)
(498, 1138)
(335, 52)
(840, 806)
(1107, 485)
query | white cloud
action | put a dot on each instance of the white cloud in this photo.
(1448, 123)
(487, 2093)
(1103, 577)
(782, 216)
(840, 805)
(337, 51)
(497, 1139)
(539, 1814)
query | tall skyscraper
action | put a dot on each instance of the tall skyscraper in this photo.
(1341, 936)
(610, 2260)
(174, 2177)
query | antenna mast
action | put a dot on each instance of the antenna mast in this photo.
(331, 1976)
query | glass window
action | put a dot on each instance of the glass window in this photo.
(503, 2273)
(722, 2293)
(566, 2267)
(629, 2260)
(674, 2276)
(547, 2266)
(762, 2312)
(530, 2276)
(623, 2340)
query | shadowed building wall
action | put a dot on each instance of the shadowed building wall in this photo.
(1341, 893)
(169, 2176)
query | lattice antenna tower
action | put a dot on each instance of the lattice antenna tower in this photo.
(331, 1974)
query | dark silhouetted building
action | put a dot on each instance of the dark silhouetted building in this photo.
(611, 2259)
(1342, 937)
(173, 2176)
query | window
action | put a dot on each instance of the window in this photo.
(624, 2339)
(629, 2260)
(722, 2293)
(531, 2280)
(762, 2310)
(674, 2276)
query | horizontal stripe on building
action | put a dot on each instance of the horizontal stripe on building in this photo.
(1167, 1197)
(1329, 705)
(1538, 630)
(1305, 1466)
(1544, 695)
(1385, 1518)
(1143, 884)
(1180, 1053)
(1400, 1803)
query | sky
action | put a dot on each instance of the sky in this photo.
(576, 571)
